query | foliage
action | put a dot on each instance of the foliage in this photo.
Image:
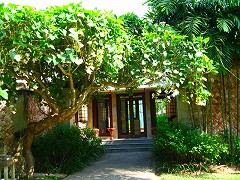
(180, 145)
(3, 93)
(44, 178)
(48, 178)
(202, 176)
(69, 47)
(49, 48)
(66, 149)
(170, 58)
(236, 153)
(216, 19)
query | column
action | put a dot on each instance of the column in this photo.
(148, 114)
(114, 115)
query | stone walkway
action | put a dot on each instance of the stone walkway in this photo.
(119, 166)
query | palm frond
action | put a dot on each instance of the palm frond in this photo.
(218, 20)
(168, 6)
(193, 25)
(227, 57)
(225, 25)
(237, 21)
(225, 3)
(161, 10)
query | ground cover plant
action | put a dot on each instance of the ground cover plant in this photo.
(44, 178)
(66, 149)
(180, 148)
(201, 176)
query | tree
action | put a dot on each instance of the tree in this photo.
(67, 53)
(217, 20)
(171, 58)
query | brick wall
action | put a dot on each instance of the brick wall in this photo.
(6, 128)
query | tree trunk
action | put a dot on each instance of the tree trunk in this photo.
(199, 117)
(238, 113)
(223, 101)
(34, 129)
(211, 115)
(204, 115)
(230, 114)
(209, 84)
(27, 152)
(192, 112)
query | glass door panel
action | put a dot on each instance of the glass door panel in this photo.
(125, 115)
(102, 115)
(139, 124)
(131, 116)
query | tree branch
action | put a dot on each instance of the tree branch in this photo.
(73, 91)
(51, 104)
(40, 126)
(80, 100)
(45, 96)
(62, 69)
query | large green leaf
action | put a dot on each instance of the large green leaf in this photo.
(225, 24)
(3, 93)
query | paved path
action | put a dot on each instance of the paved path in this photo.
(119, 166)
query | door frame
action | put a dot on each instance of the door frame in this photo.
(132, 134)
(95, 114)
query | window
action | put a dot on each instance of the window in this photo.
(171, 110)
(162, 106)
(81, 117)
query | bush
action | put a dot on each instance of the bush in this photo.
(177, 144)
(236, 154)
(65, 149)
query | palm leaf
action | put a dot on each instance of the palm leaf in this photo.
(193, 25)
(227, 57)
(237, 21)
(168, 6)
(224, 25)
(230, 3)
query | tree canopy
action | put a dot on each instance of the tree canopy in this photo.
(90, 50)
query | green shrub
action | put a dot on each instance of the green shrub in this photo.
(65, 149)
(179, 145)
(236, 154)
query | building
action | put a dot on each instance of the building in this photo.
(130, 116)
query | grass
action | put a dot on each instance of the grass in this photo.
(217, 176)
(48, 178)
(44, 178)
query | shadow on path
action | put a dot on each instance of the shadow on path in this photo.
(119, 166)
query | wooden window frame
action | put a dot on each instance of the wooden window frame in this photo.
(95, 114)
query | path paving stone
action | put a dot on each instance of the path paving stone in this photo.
(119, 166)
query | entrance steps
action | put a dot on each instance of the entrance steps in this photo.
(128, 145)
